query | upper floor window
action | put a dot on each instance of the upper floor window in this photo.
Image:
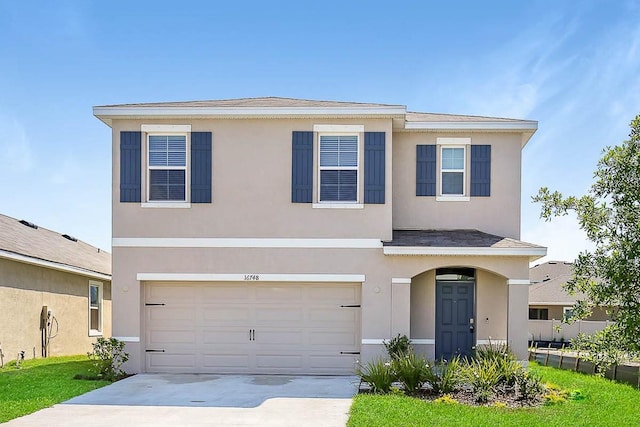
(95, 308)
(338, 168)
(452, 171)
(167, 172)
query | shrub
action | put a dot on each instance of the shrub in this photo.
(555, 397)
(398, 346)
(108, 356)
(378, 375)
(483, 375)
(529, 386)
(446, 399)
(494, 351)
(445, 377)
(411, 371)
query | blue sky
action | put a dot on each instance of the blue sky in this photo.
(573, 66)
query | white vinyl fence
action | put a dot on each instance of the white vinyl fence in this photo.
(547, 330)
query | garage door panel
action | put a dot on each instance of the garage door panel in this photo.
(340, 294)
(222, 336)
(272, 294)
(336, 338)
(171, 292)
(230, 314)
(253, 327)
(279, 315)
(235, 293)
(167, 337)
(176, 362)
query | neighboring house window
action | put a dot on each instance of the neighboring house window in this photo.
(567, 313)
(338, 168)
(167, 160)
(538, 314)
(95, 308)
(452, 171)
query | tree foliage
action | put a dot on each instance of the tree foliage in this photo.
(610, 215)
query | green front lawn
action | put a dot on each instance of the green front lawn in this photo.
(41, 383)
(605, 404)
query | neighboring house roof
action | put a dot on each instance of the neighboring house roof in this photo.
(458, 242)
(547, 280)
(291, 107)
(24, 243)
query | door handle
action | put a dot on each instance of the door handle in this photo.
(471, 324)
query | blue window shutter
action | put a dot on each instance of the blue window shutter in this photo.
(425, 170)
(374, 146)
(130, 166)
(481, 170)
(201, 167)
(302, 167)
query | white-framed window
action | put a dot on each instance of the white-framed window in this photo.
(95, 308)
(167, 167)
(338, 168)
(452, 170)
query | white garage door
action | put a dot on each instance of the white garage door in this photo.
(309, 328)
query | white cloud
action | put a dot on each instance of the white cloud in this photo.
(15, 148)
(562, 236)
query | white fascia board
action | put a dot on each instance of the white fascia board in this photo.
(250, 277)
(338, 128)
(52, 265)
(520, 125)
(443, 251)
(203, 242)
(166, 128)
(110, 112)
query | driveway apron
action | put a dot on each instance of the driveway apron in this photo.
(211, 400)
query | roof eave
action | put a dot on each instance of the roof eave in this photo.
(107, 113)
(53, 265)
(533, 253)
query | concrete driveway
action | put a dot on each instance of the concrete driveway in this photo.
(206, 400)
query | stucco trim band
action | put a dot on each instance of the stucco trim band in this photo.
(242, 242)
(250, 277)
(128, 339)
(518, 282)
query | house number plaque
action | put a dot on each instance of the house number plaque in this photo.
(253, 277)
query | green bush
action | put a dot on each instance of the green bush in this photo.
(411, 371)
(445, 377)
(379, 375)
(398, 347)
(530, 386)
(108, 356)
(484, 376)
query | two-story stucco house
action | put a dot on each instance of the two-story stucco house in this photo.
(275, 235)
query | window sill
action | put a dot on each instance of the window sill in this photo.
(95, 333)
(169, 205)
(324, 205)
(452, 198)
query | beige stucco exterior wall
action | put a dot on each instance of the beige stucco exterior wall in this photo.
(377, 302)
(252, 187)
(498, 214)
(25, 288)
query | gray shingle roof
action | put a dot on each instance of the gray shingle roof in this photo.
(270, 101)
(43, 244)
(454, 239)
(547, 280)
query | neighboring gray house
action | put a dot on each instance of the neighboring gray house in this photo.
(55, 292)
(547, 298)
(278, 235)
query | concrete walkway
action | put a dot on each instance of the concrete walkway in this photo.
(206, 400)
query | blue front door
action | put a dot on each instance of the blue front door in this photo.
(455, 327)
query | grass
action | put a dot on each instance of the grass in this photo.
(605, 403)
(41, 383)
